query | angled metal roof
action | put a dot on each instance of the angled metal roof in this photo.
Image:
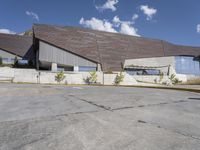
(108, 49)
(17, 45)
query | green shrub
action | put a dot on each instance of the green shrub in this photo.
(60, 76)
(1, 62)
(174, 80)
(16, 64)
(119, 78)
(161, 76)
(92, 79)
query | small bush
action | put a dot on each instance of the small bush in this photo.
(16, 64)
(174, 80)
(92, 79)
(60, 76)
(1, 62)
(161, 75)
(119, 78)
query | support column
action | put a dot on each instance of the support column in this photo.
(99, 67)
(76, 68)
(54, 67)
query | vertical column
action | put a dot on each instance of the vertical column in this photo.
(37, 60)
(76, 68)
(54, 67)
(99, 67)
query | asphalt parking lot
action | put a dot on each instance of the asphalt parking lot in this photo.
(44, 117)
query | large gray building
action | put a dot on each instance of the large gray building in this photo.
(78, 49)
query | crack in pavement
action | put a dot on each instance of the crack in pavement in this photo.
(150, 105)
(51, 116)
(174, 131)
(92, 103)
(31, 142)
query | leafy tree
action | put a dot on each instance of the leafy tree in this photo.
(119, 78)
(92, 79)
(60, 76)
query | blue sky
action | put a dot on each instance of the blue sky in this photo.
(177, 21)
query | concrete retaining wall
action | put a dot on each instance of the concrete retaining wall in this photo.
(152, 79)
(44, 77)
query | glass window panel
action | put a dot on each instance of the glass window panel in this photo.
(23, 61)
(186, 65)
(86, 68)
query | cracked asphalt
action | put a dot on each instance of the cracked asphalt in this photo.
(43, 117)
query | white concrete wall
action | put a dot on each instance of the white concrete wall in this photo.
(44, 77)
(151, 79)
(25, 76)
(6, 72)
(152, 62)
(70, 78)
(109, 79)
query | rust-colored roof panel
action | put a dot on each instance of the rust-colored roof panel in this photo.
(108, 49)
(174, 50)
(16, 44)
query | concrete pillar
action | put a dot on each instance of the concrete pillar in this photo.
(76, 68)
(99, 67)
(54, 67)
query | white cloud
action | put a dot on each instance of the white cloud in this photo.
(33, 15)
(7, 31)
(98, 24)
(116, 21)
(124, 27)
(148, 11)
(135, 17)
(198, 28)
(110, 4)
(128, 29)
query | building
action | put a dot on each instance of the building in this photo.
(78, 49)
(12, 46)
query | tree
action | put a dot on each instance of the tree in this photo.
(92, 79)
(60, 76)
(119, 78)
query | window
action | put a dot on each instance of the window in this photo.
(87, 69)
(187, 65)
(60, 69)
(8, 60)
(22, 61)
(143, 71)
